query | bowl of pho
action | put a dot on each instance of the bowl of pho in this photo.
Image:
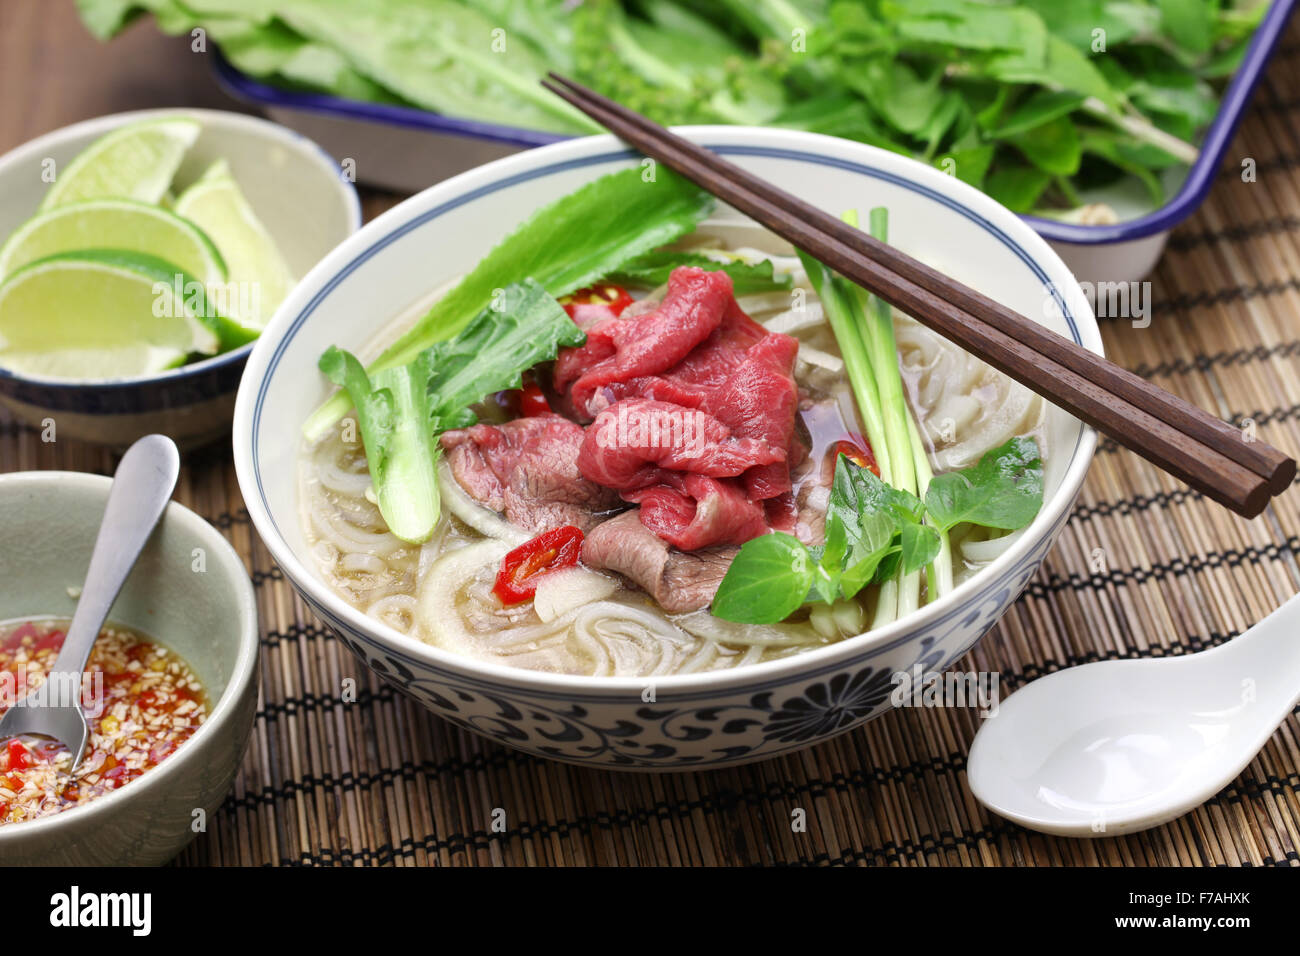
(591, 464)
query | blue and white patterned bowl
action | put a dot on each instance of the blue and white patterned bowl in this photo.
(691, 721)
(296, 189)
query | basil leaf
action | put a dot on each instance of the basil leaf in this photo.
(1063, 67)
(768, 580)
(969, 165)
(888, 567)
(1053, 146)
(972, 26)
(1017, 186)
(1189, 23)
(870, 510)
(920, 545)
(1003, 490)
(1077, 21)
(1042, 107)
(1103, 145)
(830, 563)
(880, 523)
(859, 575)
(896, 92)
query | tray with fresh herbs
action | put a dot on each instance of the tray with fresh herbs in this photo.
(1087, 110)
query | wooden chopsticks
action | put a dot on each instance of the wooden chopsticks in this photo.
(1205, 452)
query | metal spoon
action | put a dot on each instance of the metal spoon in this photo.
(142, 486)
(1118, 746)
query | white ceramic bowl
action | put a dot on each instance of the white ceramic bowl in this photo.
(204, 611)
(297, 191)
(700, 720)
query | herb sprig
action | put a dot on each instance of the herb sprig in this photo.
(874, 531)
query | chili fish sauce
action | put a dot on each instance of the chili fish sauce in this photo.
(142, 701)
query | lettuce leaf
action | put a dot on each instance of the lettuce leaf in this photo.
(571, 243)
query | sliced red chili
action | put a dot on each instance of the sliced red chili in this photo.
(52, 640)
(521, 568)
(857, 451)
(532, 401)
(18, 634)
(19, 758)
(596, 302)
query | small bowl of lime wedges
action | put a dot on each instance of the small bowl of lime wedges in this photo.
(141, 254)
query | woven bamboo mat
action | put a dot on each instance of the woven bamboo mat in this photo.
(1143, 568)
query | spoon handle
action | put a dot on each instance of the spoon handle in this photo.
(142, 486)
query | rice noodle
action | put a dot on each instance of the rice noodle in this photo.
(764, 302)
(990, 548)
(705, 625)
(815, 356)
(335, 478)
(395, 610)
(628, 641)
(347, 537)
(485, 522)
(964, 406)
(440, 620)
(795, 320)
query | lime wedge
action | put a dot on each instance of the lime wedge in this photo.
(258, 277)
(100, 314)
(114, 224)
(136, 161)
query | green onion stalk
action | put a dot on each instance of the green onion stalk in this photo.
(843, 310)
(938, 573)
(878, 334)
(864, 328)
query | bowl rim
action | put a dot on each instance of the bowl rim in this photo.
(242, 673)
(307, 149)
(791, 144)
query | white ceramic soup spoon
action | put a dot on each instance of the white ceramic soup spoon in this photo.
(1118, 746)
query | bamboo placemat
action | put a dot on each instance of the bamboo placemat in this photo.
(1143, 568)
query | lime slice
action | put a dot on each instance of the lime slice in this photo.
(114, 224)
(258, 277)
(100, 314)
(136, 161)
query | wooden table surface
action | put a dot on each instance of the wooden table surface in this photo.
(54, 72)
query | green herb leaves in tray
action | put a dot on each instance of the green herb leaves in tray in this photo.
(873, 530)
(1039, 102)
